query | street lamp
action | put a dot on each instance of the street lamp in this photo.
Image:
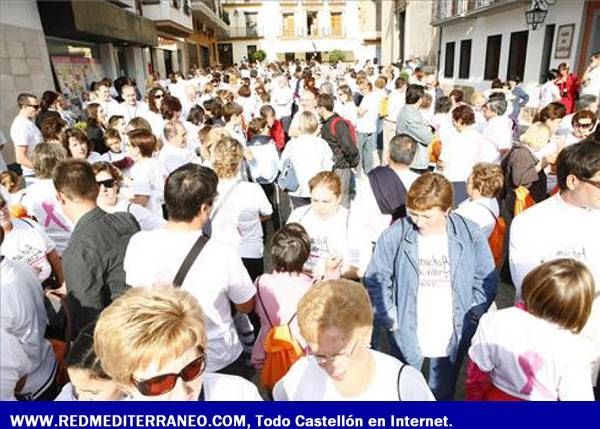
(537, 14)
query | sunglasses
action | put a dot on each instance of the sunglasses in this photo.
(162, 384)
(584, 125)
(591, 182)
(159, 96)
(35, 106)
(108, 183)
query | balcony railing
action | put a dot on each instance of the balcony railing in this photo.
(321, 33)
(186, 7)
(444, 10)
(242, 33)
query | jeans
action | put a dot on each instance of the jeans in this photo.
(345, 175)
(366, 147)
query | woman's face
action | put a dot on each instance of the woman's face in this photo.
(78, 148)
(583, 128)
(335, 352)
(182, 391)
(101, 115)
(158, 99)
(89, 388)
(324, 202)
(432, 221)
(109, 189)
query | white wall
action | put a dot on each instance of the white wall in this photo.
(563, 12)
(164, 11)
(20, 13)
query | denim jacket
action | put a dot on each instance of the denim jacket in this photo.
(392, 279)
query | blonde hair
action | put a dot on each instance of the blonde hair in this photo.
(487, 178)
(560, 291)
(536, 136)
(213, 136)
(341, 304)
(227, 154)
(144, 326)
(309, 124)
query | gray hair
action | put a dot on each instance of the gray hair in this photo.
(585, 101)
(326, 88)
(498, 106)
(402, 149)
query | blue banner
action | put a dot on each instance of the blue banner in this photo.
(276, 415)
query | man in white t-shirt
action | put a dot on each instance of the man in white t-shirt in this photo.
(175, 152)
(216, 278)
(24, 134)
(282, 98)
(565, 225)
(110, 105)
(498, 129)
(130, 108)
(591, 77)
(366, 126)
(29, 367)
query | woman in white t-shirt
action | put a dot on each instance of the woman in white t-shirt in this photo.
(463, 150)
(336, 320)
(308, 154)
(78, 146)
(40, 197)
(326, 222)
(153, 115)
(549, 91)
(148, 174)
(346, 107)
(483, 187)
(240, 207)
(110, 200)
(168, 365)
(532, 351)
(25, 241)
(87, 379)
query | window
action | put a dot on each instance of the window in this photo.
(546, 52)
(336, 24)
(288, 25)
(449, 60)
(517, 54)
(251, 49)
(251, 23)
(464, 68)
(492, 57)
(312, 24)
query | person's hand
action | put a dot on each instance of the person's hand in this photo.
(57, 293)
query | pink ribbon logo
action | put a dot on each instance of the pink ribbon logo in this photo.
(530, 363)
(51, 216)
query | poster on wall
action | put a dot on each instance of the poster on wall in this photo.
(75, 74)
(564, 41)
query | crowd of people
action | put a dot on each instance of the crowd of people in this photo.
(302, 231)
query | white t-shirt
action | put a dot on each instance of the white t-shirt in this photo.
(366, 219)
(40, 201)
(13, 365)
(129, 112)
(549, 93)
(222, 387)
(348, 111)
(28, 243)
(307, 381)
(149, 177)
(531, 358)
(434, 296)
(281, 99)
(238, 217)
(173, 157)
(592, 87)
(23, 315)
(216, 277)
(367, 123)
(157, 123)
(553, 229)
(327, 237)
(482, 211)
(147, 219)
(309, 155)
(498, 131)
(462, 152)
(24, 133)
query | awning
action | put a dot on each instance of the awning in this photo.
(95, 22)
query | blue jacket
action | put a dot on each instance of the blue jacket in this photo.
(392, 279)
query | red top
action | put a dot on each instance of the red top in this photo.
(278, 135)
(568, 91)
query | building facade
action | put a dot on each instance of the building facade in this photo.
(301, 29)
(209, 27)
(481, 40)
(407, 33)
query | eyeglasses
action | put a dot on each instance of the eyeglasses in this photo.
(322, 360)
(590, 182)
(108, 183)
(162, 384)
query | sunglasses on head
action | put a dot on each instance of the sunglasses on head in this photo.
(108, 183)
(162, 384)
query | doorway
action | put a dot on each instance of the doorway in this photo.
(226, 54)
(517, 54)
(546, 52)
